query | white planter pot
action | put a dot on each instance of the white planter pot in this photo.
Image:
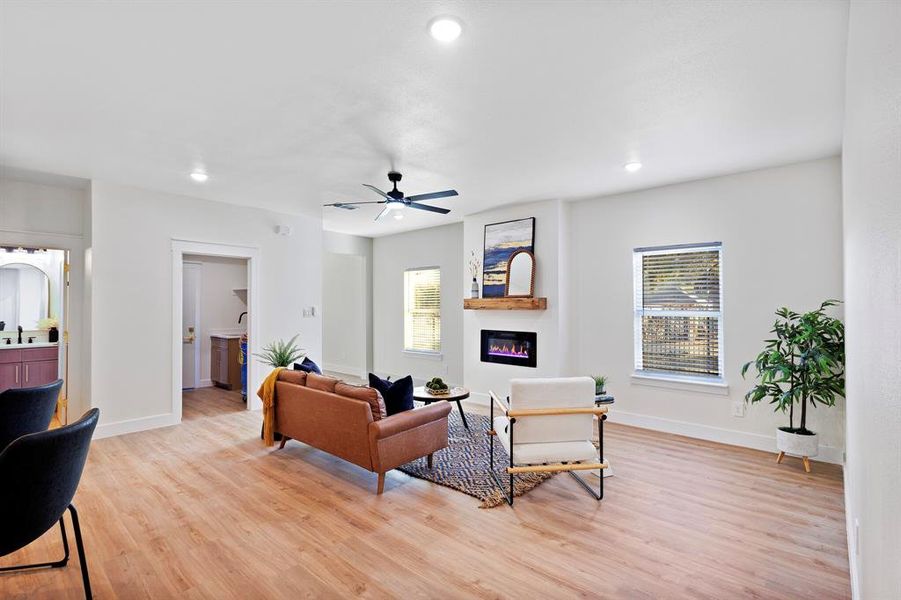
(797, 445)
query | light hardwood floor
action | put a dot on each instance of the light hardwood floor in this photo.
(204, 510)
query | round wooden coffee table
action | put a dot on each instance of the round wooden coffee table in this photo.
(455, 395)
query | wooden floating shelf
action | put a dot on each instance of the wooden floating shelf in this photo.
(505, 303)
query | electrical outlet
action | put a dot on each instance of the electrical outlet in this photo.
(738, 408)
(857, 537)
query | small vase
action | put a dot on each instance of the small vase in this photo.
(475, 288)
(53, 335)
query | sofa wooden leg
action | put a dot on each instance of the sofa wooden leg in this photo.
(283, 442)
(429, 460)
(381, 483)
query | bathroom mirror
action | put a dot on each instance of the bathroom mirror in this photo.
(24, 296)
(520, 275)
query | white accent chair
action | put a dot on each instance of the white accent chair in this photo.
(553, 420)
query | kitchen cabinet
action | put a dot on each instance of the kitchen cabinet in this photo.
(225, 370)
(22, 367)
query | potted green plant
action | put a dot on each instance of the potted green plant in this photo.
(803, 363)
(600, 383)
(281, 353)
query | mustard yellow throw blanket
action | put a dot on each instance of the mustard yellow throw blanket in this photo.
(267, 395)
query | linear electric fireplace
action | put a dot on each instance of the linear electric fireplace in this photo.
(510, 347)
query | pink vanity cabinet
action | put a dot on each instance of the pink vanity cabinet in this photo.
(21, 366)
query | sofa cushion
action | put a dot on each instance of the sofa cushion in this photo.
(398, 395)
(295, 377)
(366, 394)
(308, 366)
(322, 382)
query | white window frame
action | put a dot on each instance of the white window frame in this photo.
(432, 354)
(687, 380)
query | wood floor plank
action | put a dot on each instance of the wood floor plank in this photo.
(204, 510)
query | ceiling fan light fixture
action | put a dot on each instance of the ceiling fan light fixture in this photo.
(199, 176)
(445, 29)
(394, 206)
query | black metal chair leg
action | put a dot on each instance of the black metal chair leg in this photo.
(463, 415)
(47, 565)
(85, 579)
(599, 495)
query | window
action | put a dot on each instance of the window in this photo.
(422, 310)
(678, 311)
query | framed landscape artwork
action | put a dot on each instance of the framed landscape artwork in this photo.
(502, 240)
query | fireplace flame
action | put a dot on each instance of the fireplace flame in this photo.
(511, 350)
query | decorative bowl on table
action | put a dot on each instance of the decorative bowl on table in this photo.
(437, 387)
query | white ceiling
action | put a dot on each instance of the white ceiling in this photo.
(291, 105)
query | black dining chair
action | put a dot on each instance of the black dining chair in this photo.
(40, 473)
(27, 410)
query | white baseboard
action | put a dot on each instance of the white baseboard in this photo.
(105, 430)
(206, 383)
(733, 437)
(852, 541)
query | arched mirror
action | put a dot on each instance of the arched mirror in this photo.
(24, 295)
(520, 275)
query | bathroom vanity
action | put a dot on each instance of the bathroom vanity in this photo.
(28, 365)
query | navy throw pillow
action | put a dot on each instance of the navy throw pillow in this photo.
(307, 365)
(398, 395)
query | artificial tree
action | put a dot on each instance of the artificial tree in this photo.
(803, 363)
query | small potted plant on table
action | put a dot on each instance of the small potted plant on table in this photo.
(803, 363)
(600, 383)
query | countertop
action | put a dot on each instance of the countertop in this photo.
(14, 346)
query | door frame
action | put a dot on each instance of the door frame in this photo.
(197, 319)
(180, 247)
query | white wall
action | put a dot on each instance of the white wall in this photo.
(344, 310)
(49, 211)
(435, 247)
(132, 231)
(338, 346)
(781, 235)
(220, 307)
(872, 222)
(481, 377)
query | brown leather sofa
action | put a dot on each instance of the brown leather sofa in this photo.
(349, 422)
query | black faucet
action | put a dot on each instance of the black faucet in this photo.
(241, 317)
(20, 335)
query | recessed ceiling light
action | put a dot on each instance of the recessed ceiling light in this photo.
(445, 29)
(199, 176)
(398, 216)
(632, 166)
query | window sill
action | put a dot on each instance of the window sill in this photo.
(716, 387)
(424, 354)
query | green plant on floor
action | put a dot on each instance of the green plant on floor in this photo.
(600, 383)
(803, 363)
(281, 353)
(436, 384)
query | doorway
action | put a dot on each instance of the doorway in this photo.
(214, 335)
(214, 329)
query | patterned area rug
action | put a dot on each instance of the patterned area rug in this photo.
(463, 465)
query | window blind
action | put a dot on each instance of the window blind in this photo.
(678, 310)
(422, 310)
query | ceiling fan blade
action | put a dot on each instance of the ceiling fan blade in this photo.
(443, 211)
(378, 191)
(432, 196)
(352, 203)
(384, 212)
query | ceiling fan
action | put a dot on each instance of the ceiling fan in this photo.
(395, 199)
